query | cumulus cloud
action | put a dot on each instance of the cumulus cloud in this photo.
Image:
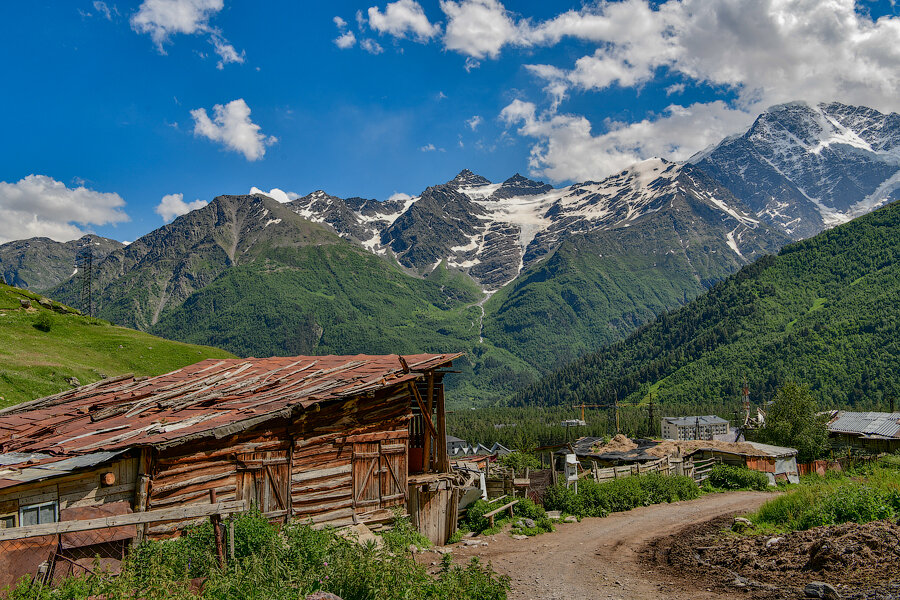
(812, 50)
(173, 205)
(161, 19)
(231, 125)
(567, 149)
(401, 19)
(371, 46)
(478, 28)
(399, 197)
(276, 194)
(40, 206)
(345, 40)
(474, 122)
(105, 10)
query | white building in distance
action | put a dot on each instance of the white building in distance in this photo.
(693, 428)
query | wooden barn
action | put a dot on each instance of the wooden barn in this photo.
(329, 439)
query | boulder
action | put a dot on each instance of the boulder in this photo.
(73, 381)
(25, 302)
(741, 524)
(322, 596)
(820, 589)
(45, 302)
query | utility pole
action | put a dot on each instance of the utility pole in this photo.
(616, 392)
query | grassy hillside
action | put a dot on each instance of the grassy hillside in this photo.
(35, 363)
(822, 313)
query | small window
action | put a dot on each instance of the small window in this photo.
(38, 514)
(8, 521)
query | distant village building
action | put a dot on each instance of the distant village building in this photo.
(693, 428)
(573, 423)
(870, 431)
(457, 447)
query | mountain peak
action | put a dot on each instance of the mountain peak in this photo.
(517, 185)
(467, 178)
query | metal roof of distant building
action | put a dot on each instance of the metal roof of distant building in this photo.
(202, 400)
(866, 423)
(692, 421)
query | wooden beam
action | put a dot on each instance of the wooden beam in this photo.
(425, 416)
(429, 404)
(443, 461)
(170, 514)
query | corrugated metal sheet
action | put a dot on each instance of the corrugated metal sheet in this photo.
(866, 423)
(203, 400)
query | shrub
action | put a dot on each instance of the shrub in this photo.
(402, 535)
(528, 509)
(44, 321)
(728, 477)
(519, 461)
(599, 499)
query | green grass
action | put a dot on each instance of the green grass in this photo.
(274, 564)
(599, 499)
(871, 494)
(36, 363)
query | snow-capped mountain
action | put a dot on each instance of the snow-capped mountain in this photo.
(493, 231)
(804, 168)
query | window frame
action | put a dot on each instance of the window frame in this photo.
(39, 506)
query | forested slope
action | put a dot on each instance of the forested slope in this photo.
(823, 312)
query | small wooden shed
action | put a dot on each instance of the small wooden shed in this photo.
(327, 439)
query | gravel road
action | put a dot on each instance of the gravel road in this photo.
(600, 558)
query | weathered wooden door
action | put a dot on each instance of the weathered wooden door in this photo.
(379, 475)
(264, 480)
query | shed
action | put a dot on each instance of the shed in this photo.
(327, 439)
(871, 431)
(777, 462)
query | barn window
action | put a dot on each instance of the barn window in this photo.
(38, 514)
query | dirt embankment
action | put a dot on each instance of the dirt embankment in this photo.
(860, 561)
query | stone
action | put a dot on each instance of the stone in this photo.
(45, 302)
(529, 523)
(471, 542)
(322, 596)
(73, 381)
(554, 514)
(468, 535)
(442, 550)
(517, 536)
(571, 519)
(413, 549)
(773, 541)
(25, 302)
(741, 524)
(820, 589)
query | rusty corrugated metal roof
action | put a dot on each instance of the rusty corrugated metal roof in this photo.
(201, 400)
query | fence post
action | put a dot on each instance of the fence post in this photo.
(216, 521)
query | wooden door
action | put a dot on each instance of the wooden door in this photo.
(264, 480)
(379, 475)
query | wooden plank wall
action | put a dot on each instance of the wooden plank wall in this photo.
(79, 489)
(320, 443)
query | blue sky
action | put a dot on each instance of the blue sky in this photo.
(110, 107)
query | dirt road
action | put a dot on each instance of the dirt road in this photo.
(600, 558)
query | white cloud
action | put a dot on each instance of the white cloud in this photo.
(38, 205)
(428, 148)
(371, 46)
(173, 205)
(568, 150)
(401, 18)
(474, 122)
(341, 24)
(812, 50)
(105, 10)
(276, 194)
(399, 197)
(232, 126)
(162, 19)
(345, 40)
(478, 28)
(227, 53)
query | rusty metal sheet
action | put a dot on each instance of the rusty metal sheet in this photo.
(210, 398)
